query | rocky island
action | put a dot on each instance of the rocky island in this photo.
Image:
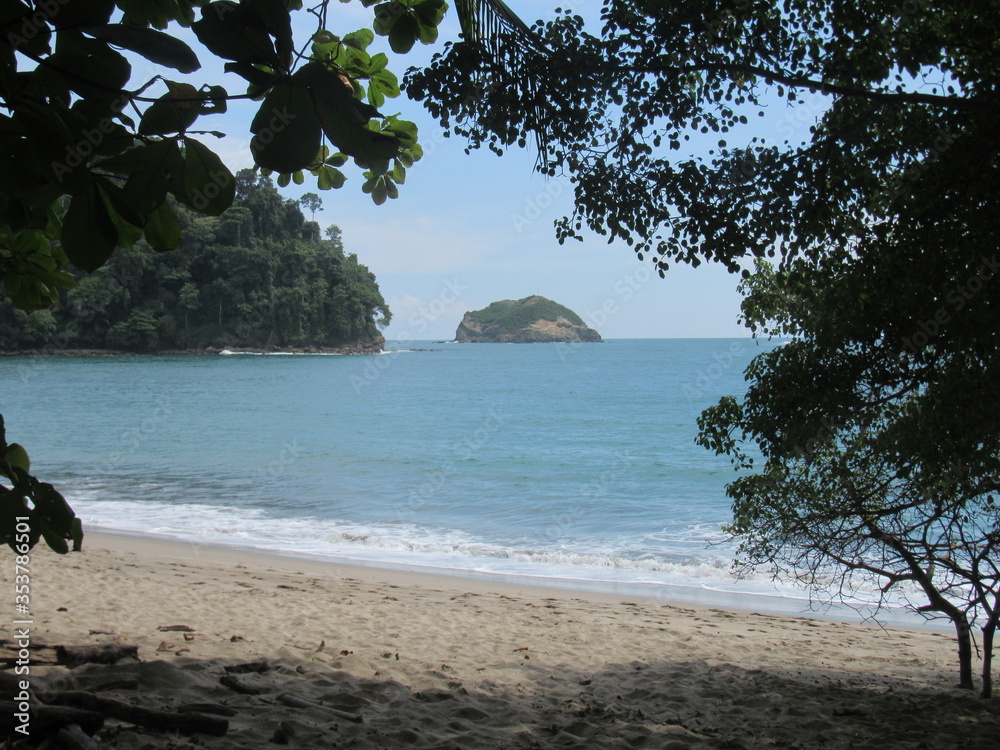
(530, 320)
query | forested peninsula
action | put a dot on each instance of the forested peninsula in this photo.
(260, 276)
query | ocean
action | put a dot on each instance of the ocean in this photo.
(567, 465)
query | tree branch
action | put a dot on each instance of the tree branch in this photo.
(885, 97)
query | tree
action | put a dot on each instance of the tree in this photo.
(312, 203)
(839, 508)
(677, 128)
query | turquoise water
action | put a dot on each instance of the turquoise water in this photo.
(574, 465)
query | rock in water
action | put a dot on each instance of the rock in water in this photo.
(529, 320)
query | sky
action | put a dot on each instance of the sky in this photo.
(468, 230)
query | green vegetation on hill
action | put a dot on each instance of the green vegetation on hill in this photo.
(257, 275)
(513, 316)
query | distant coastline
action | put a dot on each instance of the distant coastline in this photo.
(374, 346)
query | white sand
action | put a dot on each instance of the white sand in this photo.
(442, 662)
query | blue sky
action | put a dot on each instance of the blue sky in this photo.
(468, 230)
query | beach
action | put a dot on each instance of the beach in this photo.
(448, 662)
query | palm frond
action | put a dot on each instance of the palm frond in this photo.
(505, 42)
(486, 21)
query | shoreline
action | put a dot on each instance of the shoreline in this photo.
(368, 346)
(440, 662)
(459, 579)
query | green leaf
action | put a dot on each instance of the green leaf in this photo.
(235, 32)
(431, 12)
(98, 72)
(15, 18)
(379, 191)
(390, 187)
(88, 234)
(119, 205)
(174, 112)
(209, 185)
(324, 44)
(427, 34)
(55, 540)
(155, 46)
(163, 231)
(329, 177)
(404, 130)
(387, 82)
(286, 130)
(68, 14)
(163, 117)
(360, 39)
(404, 33)
(17, 456)
(344, 119)
(76, 534)
(278, 23)
(252, 74)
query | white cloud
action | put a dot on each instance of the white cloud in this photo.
(415, 318)
(416, 244)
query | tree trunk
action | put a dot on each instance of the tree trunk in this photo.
(988, 631)
(964, 633)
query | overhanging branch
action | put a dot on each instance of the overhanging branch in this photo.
(744, 71)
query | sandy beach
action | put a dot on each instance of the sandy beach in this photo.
(445, 662)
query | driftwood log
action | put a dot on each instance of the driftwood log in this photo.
(207, 708)
(236, 685)
(186, 723)
(296, 702)
(69, 656)
(98, 653)
(74, 738)
(46, 720)
(257, 667)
